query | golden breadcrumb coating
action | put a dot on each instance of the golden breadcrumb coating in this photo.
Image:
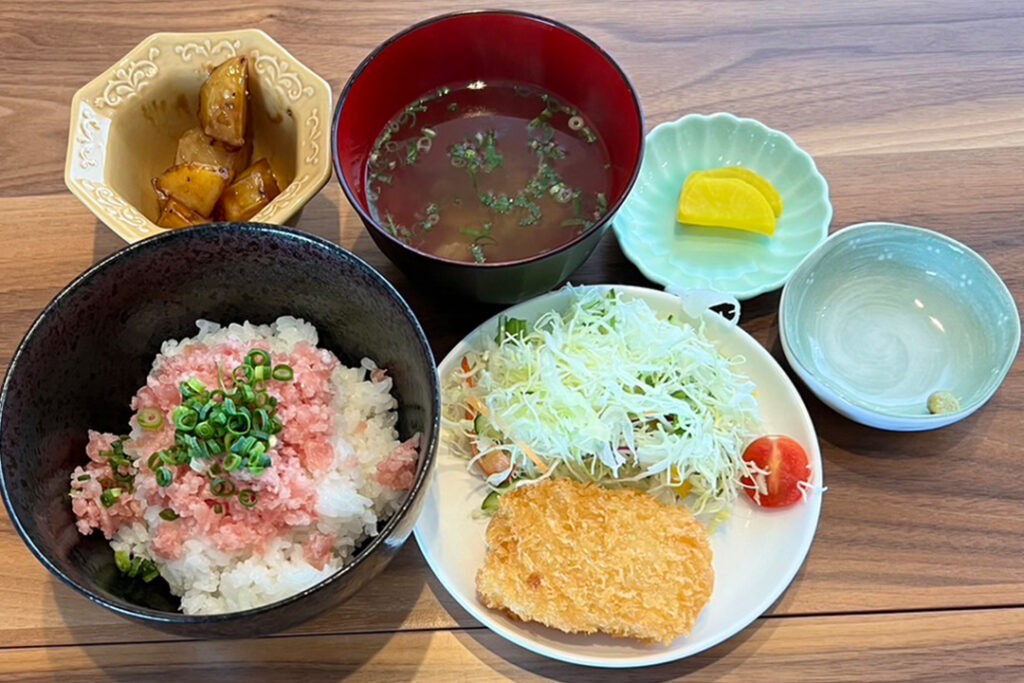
(584, 559)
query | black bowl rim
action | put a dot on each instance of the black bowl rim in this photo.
(276, 232)
(368, 219)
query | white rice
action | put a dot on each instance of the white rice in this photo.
(350, 505)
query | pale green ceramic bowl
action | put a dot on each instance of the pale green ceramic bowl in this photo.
(882, 315)
(739, 263)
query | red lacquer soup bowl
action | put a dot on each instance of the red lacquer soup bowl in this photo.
(488, 46)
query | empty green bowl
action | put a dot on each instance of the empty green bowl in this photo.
(739, 263)
(881, 316)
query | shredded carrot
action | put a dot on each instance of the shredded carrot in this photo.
(533, 456)
(477, 405)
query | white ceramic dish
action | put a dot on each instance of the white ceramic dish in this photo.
(882, 315)
(757, 553)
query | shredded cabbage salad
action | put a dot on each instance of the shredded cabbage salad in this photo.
(607, 392)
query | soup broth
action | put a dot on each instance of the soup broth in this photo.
(488, 172)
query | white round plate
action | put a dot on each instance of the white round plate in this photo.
(757, 552)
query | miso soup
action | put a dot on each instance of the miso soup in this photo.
(488, 172)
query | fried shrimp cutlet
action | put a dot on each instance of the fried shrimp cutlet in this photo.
(583, 559)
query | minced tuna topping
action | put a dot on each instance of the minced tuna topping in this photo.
(233, 510)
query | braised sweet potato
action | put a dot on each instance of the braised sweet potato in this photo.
(224, 102)
(195, 146)
(254, 188)
(176, 215)
(196, 186)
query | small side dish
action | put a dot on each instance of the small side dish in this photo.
(255, 465)
(899, 327)
(743, 176)
(211, 177)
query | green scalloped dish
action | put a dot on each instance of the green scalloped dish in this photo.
(740, 263)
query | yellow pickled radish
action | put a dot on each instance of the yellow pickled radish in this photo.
(748, 176)
(726, 203)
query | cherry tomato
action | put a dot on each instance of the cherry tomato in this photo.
(787, 465)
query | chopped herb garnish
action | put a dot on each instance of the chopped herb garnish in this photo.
(216, 432)
(500, 203)
(84, 477)
(136, 566)
(151, 419)
(476, 154)
(390, 225)
(109, 497)
(168, 515)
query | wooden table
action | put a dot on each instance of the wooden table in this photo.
(914, 111)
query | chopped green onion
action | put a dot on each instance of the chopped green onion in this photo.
(247, 497)
(218, 509)
(258, 357)
(150, 572)
(84, 477)
(204, 411)
(243, 373)
(109, 497)
(234, 429)
(185, 418)
(123, 561)
(106, 482)
(151, 419)
(243, 445)
(222, 488)
(135, 566)
(239, 423)
(164, 477)
(169, 515)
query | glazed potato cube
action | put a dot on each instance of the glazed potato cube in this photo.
(195, 186)
(253, 190)
(196, 147)
(176, 215)
(224, 102)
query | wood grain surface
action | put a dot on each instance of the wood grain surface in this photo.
(914, 112)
